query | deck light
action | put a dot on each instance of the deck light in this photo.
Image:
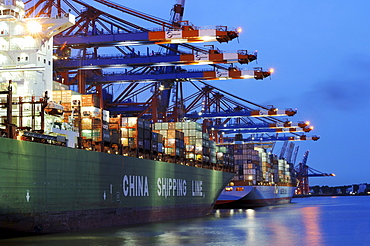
(34, 27)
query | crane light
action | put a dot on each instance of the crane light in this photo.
(272, 70)
(239, 30)
(34, 27)
(207, 38)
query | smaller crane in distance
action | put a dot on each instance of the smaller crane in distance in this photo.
(303, 172)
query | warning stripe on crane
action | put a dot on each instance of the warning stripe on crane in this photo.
(229, 74)
(148, 38)
(273, 112)
(260, 138)
(190, 36)
(266, 130)
(293, 129)
(226, 127)
(302, 138)
(253, 113)
(194, 59)
(288, 124)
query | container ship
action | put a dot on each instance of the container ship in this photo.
(67, 164)
(74, 158)
(261, 179)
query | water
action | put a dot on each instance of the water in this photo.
(310, 221)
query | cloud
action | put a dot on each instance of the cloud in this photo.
(342, 94)
(349, 88)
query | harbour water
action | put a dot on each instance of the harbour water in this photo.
(315, 221)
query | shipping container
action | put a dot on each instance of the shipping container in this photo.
(90, 100)
(106, 115)
(106, 135)
(95, 135)
(91, 124)
(114, 136)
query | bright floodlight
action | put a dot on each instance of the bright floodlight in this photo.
(34, 27)
(272, 70)
(239, 29)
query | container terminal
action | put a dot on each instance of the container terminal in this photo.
(97, 129)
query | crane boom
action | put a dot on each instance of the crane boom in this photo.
(252, 113)
(303, 172)
(179, 74)
(150, 59)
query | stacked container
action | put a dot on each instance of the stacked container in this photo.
(91, 123)
(197, 145)
(136, 133)
(64, 97)
(130, 136)
(114, 127)
(275, 167)
(94, 121)
(254, 164)
(105, 123)
(90, 100)
(247, 163)
(157, 142)
(173, 139)
(193, 138)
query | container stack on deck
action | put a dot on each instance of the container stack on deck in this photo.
(282, 170)
(224, 156)
(94, 120)
(177, 142)
(136, 137)
(186, 140)
(256, 166)
(174, 146)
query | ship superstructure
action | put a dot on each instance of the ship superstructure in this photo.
(26, 49)
(26, 59)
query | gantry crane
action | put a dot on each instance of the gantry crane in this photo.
(150, 67)
(87, 68)
(80, 62)
(224, 114)
(304, 172)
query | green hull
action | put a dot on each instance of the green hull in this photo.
(45, 188)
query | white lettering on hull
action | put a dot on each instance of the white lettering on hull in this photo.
(196, 188)
(138, 186)
(133, 185)
(171, 187)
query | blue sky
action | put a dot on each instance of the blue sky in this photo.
(321, 56)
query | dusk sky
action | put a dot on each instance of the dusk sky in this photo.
(321, 56)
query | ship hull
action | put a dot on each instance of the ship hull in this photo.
(254, 196)
(46, 188)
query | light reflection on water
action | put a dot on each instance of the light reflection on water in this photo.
(316, 221)
(311, 222)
